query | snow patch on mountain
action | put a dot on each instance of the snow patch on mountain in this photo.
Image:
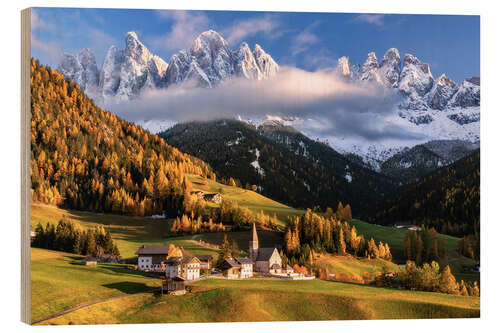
(256, 164)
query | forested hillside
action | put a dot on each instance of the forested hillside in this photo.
(447, 199)
(237, 150)
(84, 157)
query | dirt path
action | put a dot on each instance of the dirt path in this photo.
(85, 305)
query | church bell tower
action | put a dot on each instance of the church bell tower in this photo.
(253, 249)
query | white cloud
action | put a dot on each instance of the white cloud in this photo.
(305, 39)
(376, 19)
(342, 108)
(242, 29)
(52, 50)
(38, 23)
(186, 26)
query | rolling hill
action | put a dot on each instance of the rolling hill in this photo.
(257, 299)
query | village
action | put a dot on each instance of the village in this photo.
(180, 266)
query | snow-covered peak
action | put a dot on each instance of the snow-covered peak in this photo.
(468, 94)
(344, 67)
(82, 70)
(390, 68)
(245, 64)
(415, 81)
(213, 55)
(370, 68)
(443, 90)
(109, 78)
(266, 63)
(211, 61)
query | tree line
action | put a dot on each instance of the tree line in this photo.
(470, 246)
(428, 277)
(424, 245)
(190, 225)
(313, 233)
(70, 237)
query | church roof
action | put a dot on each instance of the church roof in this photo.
(265, 253)
(254, 234)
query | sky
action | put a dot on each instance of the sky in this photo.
(307, 41)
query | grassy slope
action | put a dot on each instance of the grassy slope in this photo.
(395, 238)
(129, 232)
(246, 198)
(59, 281)
(347, 268)
(271, 300)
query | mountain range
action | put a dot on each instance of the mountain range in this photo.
(439, 109)
(126, 73)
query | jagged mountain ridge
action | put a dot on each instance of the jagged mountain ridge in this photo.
(126, 73)
(413, 80)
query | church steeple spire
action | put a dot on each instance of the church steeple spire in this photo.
(254, 236)
(254, 244)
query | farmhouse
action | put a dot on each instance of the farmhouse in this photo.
(265, 259)
(240, 268)
(198, 194)
(213, 197)
(186, 266)
(206, 261)
(150, 257)
(210, 197)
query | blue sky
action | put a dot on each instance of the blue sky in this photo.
(310, 41)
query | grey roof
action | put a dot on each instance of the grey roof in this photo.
(179, 260)
(205, 257)
(265, 253)
(232, 262)
(244, 260)
(90, 259)
(153, 249)
(211, 195)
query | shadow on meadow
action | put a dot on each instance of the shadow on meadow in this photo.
(130, 287)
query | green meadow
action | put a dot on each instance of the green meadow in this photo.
(59, 281)
(246, 198)
(351, 269)
(129, 232)
(395, 238)
(260, 299)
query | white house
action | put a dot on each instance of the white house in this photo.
(150, 257)
(246, 268)
(187, 266)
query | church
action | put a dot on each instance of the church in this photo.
(264, 259)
